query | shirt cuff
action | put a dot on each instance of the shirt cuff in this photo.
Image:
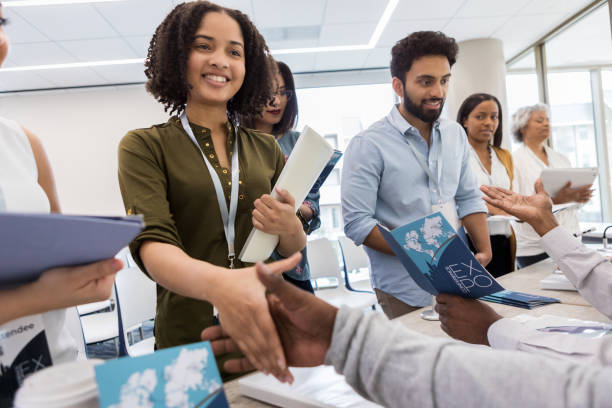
(559, 242)
(471, 207)
(505, 334)
(358, 233)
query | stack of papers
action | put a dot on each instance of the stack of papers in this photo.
(518, 299)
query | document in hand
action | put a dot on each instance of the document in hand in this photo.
(438, 260)
(184, 376)
(33, 243)
(311, 161)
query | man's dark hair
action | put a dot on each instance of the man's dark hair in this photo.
(471, 103)
(420, 44)
(166, 63)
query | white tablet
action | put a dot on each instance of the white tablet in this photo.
(555, 179)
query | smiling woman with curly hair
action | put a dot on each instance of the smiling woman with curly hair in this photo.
(202, 182)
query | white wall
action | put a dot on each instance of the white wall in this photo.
(80, 130)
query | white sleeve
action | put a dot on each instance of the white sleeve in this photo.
(396, 367)
(589, 271)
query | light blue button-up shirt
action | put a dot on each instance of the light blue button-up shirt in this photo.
(382, 182)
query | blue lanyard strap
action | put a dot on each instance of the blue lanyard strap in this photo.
(228, 217)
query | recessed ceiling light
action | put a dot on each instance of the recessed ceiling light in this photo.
(380, 27)
(75, 65)
(30, 3)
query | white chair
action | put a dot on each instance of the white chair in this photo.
(323, 262)
(136, 301)
(98, 327)
(355, 258)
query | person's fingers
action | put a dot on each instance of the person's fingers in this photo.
(268, 201)
(224, 346)
(213, 333)
(238, 365)
(441, 308)
(263, 208)
(539, 186)
(285, 197)
(259, 216)
(269, 342)
(284, 265)
(288, 294)
(97, 270)
(443, 298)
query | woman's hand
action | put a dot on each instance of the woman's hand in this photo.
(243, 311)
(275, 216)
(573, 195)
(59, 288)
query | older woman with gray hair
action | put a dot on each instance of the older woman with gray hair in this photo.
(531, 126)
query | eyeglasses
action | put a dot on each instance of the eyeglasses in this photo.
(287, 93)
(3, 21)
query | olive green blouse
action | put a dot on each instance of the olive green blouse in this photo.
(163, 176)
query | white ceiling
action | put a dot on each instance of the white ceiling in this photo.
(121, 30)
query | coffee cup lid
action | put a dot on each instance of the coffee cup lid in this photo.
(59, 386)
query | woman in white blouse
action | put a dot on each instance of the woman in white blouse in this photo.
(481, 117)
(27, 185)
(531, 126)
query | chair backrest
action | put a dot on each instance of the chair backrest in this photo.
(323, 259)
(136, 298)
(355, 257)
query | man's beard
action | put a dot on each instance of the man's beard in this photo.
(427, 116)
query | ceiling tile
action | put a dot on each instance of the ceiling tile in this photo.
(121, 74)
(532, 28)
(463, 29)
(346, 34)
(69, 21)
(72, 77)
(140, 44)
(281, 45)
(378, 57)
(298, 62)
(396, 30)
(489, 8)
(39, 53)
(332, 61)
(244, 6)
(554, 6)
(285, 13)
(18, 81)
(21, 31)
(145, 17)
(99, 50)
(427, 10)
(354, 11)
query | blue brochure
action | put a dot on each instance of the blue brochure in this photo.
(33, 243)
(326, 171)
(519, 299)
(438, 259)
(184, 376)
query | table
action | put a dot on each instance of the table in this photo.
(525, 280)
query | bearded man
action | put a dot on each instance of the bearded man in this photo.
(409, 164)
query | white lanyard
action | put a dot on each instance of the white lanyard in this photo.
(423, 163)
(229, 220)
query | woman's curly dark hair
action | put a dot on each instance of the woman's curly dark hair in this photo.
(420, 44)
(166, 63)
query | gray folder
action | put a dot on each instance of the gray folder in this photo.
(33, 243)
